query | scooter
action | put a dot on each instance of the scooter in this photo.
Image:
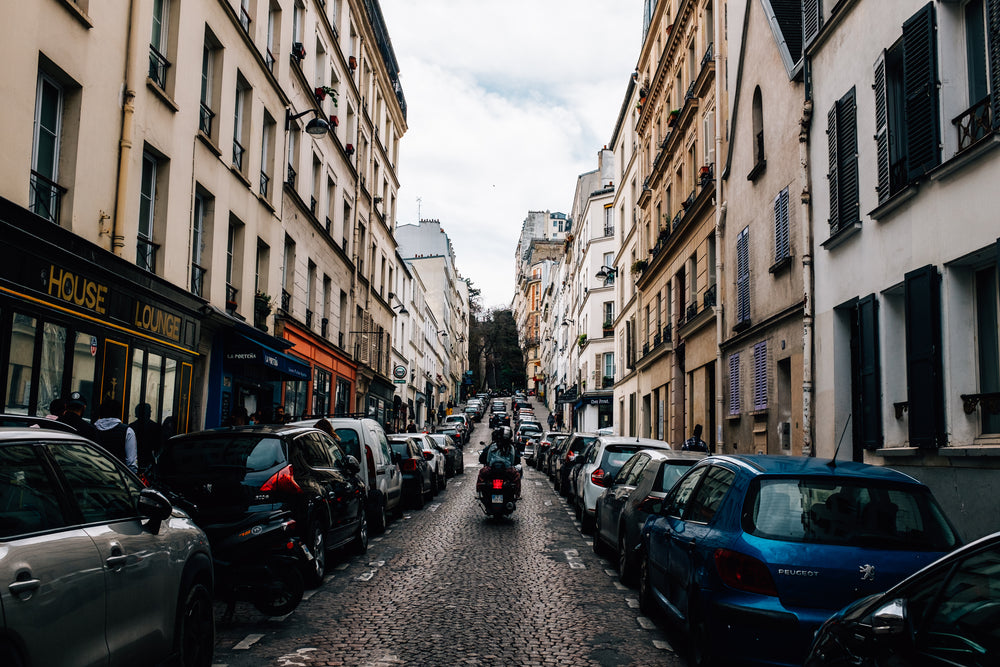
(496, 490)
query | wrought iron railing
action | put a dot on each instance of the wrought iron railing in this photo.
(286, 300)
(265, 181)
(324, 326)
(312, 205)
(205, 119)
(973, 124)
(309, 319)
(667, 333)
(291, 176)
(145, 256)
(609, 230)
(692, 311)
(231, 294)
(198, 280)
(46, 197)
(710, 294)
(689, 95)
(158, 65)
(238, 152)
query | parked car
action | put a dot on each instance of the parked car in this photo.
(525, 432)
(499, 418)
(454, 462)
(418, 480)
(465, 424)
(454, 433)
(436, 457)
(545, 445)
(750, 554)
(622, 509)
(565, 455)
(97, 568)
(229, 473)
(28, 421)
(365, 440)
(598, 470)
(946, 614)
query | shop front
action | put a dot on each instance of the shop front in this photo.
(379, 403)
(75, 317)
(333, 375)
(593, 411)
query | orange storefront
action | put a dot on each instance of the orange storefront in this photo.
(334, 375)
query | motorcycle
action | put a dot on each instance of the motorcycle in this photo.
(496, 490)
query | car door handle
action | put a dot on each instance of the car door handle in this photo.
(687, 545)
(24, 586)
(116, 562)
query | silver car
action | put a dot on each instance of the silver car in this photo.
(95, 567)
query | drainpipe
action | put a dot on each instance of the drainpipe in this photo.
(807, 279)
(125, 140)
(720, 223)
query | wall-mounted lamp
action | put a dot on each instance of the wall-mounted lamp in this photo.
(442, 332)
(402, 308)
(606, 272)
(566, 321)
(317, 126)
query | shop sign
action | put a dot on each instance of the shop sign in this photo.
(157, 321)
(77, 290)
(399, 372)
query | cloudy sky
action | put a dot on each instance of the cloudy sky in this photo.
(508, 102)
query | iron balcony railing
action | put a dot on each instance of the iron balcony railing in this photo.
(269, 60)
(973, 124)
(265, 181)
(709, 54)
(205, 119)
(312, 205)
(145, 256)
(238, 152)
(231, 294)
(197, 280)
(46, 197)
(692, 311)
(158, 65)
(329, 225)
(286, 300)
(710, 293)
(309, 319)
(291, 177)
(324, 326)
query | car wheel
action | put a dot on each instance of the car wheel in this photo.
(647, 603)
(435, 485)
(586, 521)
(359, 545)
(282, 594)
(317, 547)
(9, 655)
(195, 630)
(381, 518)
(418, 498)
(600, 548)
(699, 646)
(626, 570)
(443, 481)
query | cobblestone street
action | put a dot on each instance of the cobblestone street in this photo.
(445, 586)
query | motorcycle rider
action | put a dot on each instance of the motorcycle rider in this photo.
(501, 448)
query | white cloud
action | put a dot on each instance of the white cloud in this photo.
(507, 104)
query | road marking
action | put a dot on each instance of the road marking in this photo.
(620, 586)
(662, 645)
(537, 483)
(548, 503)
(247, 642)
(376, 539)
(611, 573)
(366, 576)
(646, 623)
(632, 603)
(376, 563)
(434, 507)
(577, 565)
(458, 483)
(387, 531)
(309, 594)
(297, 659)
(342, 566)
(571, 553)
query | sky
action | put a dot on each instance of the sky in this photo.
(507, 103)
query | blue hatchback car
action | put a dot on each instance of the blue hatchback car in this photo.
(750, 554)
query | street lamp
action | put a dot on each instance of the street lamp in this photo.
(317, 126)
(566, 322)
(606, 272)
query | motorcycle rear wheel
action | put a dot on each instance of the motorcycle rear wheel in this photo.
(283, 594)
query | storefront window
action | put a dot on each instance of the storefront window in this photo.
(135, 382)
(22, 352)
(321, 392)
(295, 397)
(84, 352)
(50, 374)
(343, 397)
(154, 375)
(169, 393)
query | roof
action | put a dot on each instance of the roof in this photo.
(807, 465)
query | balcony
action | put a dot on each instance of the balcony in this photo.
(607, 382)
(973, 124)
(198, 280)
(309, 318)
(46, 197)
(231, 294)
(328, 225)
(145, 256)
(710, 295)
(238, 153)
(290, 181)
(205, 119)
(158, 65)
(269, 60)
(691, 311)
(324, 327)
(265, 181)
(312, 205)
(286, 301)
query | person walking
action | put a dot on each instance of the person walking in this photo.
(695, 443)
(116, 436)
(76, 404)
(552, 421)
(148, 434)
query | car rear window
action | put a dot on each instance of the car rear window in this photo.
(400, 448)
(581, 443)
(251, 453)
(615, 456)
(864, 513)
(349, 442)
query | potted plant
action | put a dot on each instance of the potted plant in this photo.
(639, 265)
(349, 149)
(582, 340)
(334, 121)
(322, 91)
(672, 117)
(352, 62)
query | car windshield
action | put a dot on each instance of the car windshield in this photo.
(250, 453)
(855, 512)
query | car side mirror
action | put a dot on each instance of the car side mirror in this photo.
(351, 464)
(651, 505)
(890, 618)
(155, 505)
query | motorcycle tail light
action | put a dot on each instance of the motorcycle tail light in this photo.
(744, 573)
(282, 482)
(498, 484)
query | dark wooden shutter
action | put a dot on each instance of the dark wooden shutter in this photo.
(923, 151)
(924, 383)
(734, 384)
(869, 373)
(812, 20)
(832, 176)
(781, 247)
(760, 376)
(743, 276)
(847, 151)
(993, 51)
(881, 130)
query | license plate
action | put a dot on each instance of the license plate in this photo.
(497, 498)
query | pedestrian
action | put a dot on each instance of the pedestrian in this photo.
(695, 443)
(279, 414)
(148, 434)
(239, 416)
(76, 405)
(324, 425)
(552, 421)
(116, 436)
(56, 408)
(440, 412)
(411, 427)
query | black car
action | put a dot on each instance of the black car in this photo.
(454, 461)
(563, 459)
(228, 473)
(526, 432)
(418, 476)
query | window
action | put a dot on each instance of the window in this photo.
(711, 493)
(234, 256)
(734, 384)
(199, 238)
(609, 369)
(321, 391)
(145, 246)
(907, 106)
(867, 399)
(812, 20)
(842, 140)
(781, 243)
(924, 377)
(987, 325)
(210, 65)
(158, 63)
(46, 193)
(260, 271)
(758, 134)
(288, 271)
(273, 34)
(976, 50)
(266, 153)
(609, 220)
(241, 123)
(743, 278)
(607, 259)
(102, 493)
(760, 376)
(28, 494)
(245, 19)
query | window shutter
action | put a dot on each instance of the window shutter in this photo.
(993, 46)
(832, 176)
(760, 376)
(734, 384)
(781, 250)
(924, 385)
(812, 20)
(881, 130)
(920, 90)
(847, 152)
(870, 375)
(365, 339)
(743, 276)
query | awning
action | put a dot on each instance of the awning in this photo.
(246, 351)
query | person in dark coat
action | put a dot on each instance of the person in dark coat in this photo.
(695, 443)
(76, 404)
(148, 434)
